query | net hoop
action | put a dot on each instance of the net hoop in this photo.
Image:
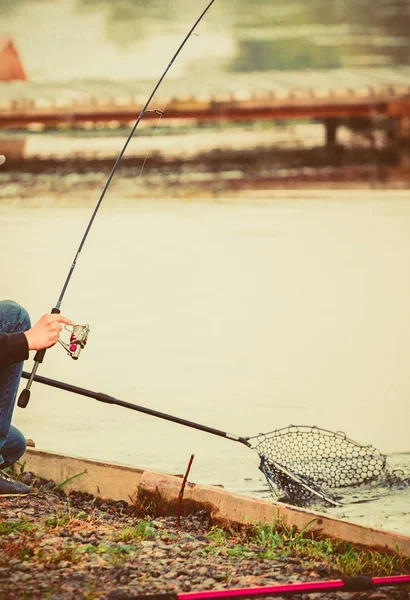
(304, 462)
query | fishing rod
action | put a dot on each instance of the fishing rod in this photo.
(349, 584)
(304, 462)
(79, 334)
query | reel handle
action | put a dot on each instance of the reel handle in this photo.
(24, 396)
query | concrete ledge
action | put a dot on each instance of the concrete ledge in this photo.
(120, 482)
(106, 480)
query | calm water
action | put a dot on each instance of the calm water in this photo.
(245, 315)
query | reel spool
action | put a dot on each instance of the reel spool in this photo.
(78, 340)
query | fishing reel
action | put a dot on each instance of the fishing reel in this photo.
(78, 339)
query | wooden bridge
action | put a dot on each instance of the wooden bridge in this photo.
(327, 96)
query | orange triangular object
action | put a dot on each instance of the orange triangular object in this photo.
(10, 65)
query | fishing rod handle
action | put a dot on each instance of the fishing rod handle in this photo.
(24, 397)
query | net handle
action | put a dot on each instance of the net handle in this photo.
(106, 399)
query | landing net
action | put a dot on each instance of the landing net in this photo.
(303, 463)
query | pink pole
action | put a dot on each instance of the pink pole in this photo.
(348, 584)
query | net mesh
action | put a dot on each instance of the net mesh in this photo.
(302, 462)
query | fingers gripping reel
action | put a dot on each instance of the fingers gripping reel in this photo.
(78, 339)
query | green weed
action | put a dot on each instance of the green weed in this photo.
(66, 481)
(8, 527)
(278, 541)
(142, 531)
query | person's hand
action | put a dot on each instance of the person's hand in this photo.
(46, 331)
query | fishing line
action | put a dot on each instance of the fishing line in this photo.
(39, 356)
(160, 113)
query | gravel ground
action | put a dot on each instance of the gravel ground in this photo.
(54, 545)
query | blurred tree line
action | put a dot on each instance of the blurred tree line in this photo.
(279, 34)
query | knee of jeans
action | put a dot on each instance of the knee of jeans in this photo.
(14, 447)
(24, 319)
(15, 312)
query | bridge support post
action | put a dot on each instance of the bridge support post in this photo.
(403, 130)
(331, 126)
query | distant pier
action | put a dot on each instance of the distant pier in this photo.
(261, 130)
(327, 96)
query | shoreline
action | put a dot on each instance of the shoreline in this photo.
(77, 545)
(119, 482)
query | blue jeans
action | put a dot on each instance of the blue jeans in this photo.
(13, 318)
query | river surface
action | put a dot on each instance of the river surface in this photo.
(245, 315)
